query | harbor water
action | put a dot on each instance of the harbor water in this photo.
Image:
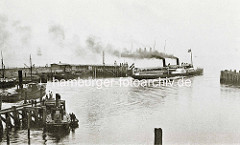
(204, 113)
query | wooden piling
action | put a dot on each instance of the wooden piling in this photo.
(1, 127)
(44, 115)
(0, 102)
(16, 117)
(35, 115)
(8, 120)
(158, 136)
(24, 117)
(25, 97)
(29, 121)
(230, 77)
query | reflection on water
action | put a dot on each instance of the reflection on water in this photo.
(204, 113)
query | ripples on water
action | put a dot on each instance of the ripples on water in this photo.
(204, 113)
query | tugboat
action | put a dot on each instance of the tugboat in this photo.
(30, 91)
(57, 118)
(20, 92)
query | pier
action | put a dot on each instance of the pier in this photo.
(17, 116)
(68, 71)
(230, 77)
(32, 113)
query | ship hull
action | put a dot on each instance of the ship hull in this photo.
(55, 127)
(15, 95)
(165, 74)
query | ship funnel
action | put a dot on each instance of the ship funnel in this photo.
(177, 61)
(20, 79)
(58, 97)
(164, 62)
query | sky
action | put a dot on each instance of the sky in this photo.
(59, 30)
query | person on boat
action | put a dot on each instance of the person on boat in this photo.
(46, 97)
(51, 95)
(73, 117)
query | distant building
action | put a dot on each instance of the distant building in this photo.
(61, 67)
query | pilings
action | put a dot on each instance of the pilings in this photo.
(158, 136)
(230, 77)
(16, 117)
(24, 115)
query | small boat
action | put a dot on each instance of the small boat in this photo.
(57, 119)
(30, 91)
(7, 83)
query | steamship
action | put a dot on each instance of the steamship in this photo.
(166, 71)
(5, 82)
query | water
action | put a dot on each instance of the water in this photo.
(204, 113)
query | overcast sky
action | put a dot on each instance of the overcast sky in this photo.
(57, 30)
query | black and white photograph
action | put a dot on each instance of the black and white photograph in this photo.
(119, 72)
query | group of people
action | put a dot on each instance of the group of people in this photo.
(72, 117)
(50, 95)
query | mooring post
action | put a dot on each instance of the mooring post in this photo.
(0, 102)
(8, 139)
(158, 136)
(25, 97)
(24, 117)
(44, 115)
(32, 103)
(16, 117)
(41, 96)
(29, 120)
(1, 127)
(36, 115)
(8, 120)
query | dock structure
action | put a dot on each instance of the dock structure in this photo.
(68, 71)
(17, 116)
(32, 113)
(230, 77)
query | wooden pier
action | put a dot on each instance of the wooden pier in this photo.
(32, 114)
(230, 77)
(21, 116)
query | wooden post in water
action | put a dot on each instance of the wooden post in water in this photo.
(95, 73)
(24, 117)
(36, 115)
(29, 121)
(16, 117)
(1, 127)
(8, 120)
(25, 97)
(44, 115)
(0, 102)
(158, 136)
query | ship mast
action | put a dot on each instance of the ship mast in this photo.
(2, 65)
(31, 66)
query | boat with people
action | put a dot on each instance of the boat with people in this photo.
(57, 117)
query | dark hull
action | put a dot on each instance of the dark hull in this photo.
(9, 84)
(166, 75)
(19, 96)
(55, 127)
